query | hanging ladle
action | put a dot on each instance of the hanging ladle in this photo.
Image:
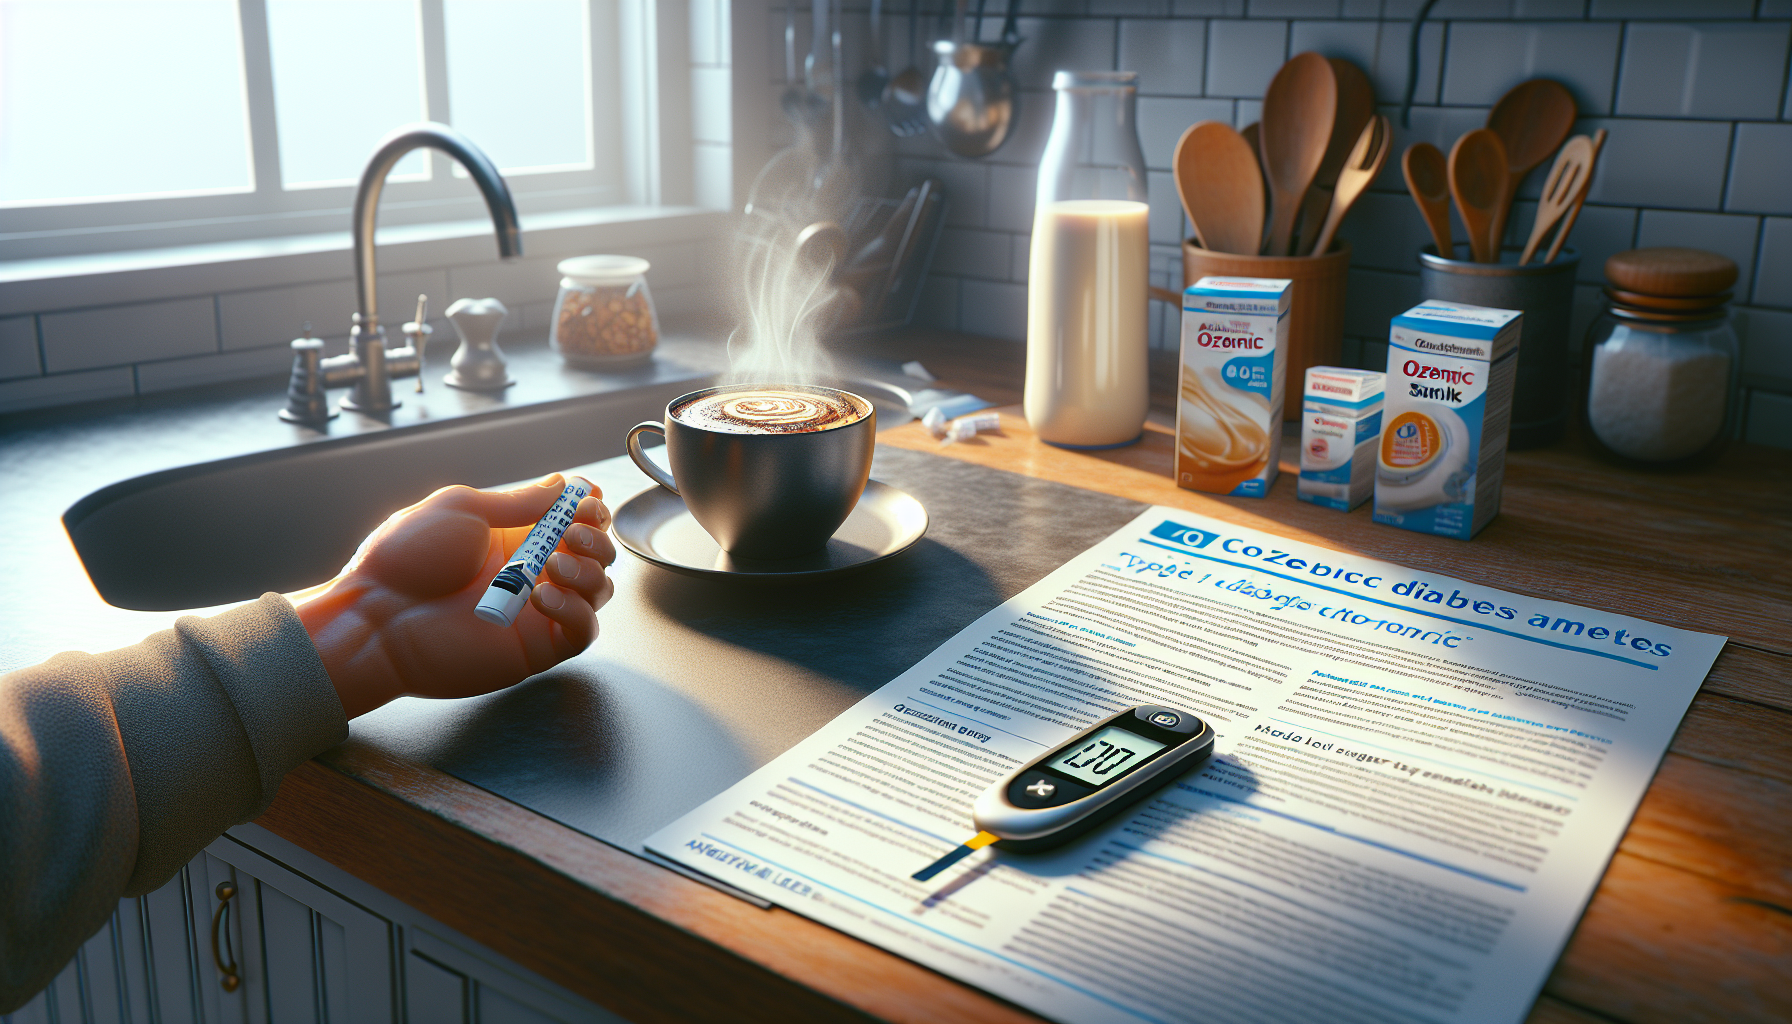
(972, 98)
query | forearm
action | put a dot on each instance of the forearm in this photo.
(117, 768)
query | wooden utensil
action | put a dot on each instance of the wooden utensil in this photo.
(1555, 247)
(1531, 120)
(1298, 113)
(1356, 105)
(1428, 179)
(1567, 179)
(1364, 163)
(1478, 178)
(1221, 188)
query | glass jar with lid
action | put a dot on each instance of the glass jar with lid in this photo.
(604, 316)
(1663, 359)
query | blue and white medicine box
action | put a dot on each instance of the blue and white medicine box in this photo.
(1340, 428)
(1442, 457)
(1229, 403)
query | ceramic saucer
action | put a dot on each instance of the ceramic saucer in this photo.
(656, 526)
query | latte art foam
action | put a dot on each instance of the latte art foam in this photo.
(785, 410)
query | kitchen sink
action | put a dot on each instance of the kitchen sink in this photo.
(280, 520)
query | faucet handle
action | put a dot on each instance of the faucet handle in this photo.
(417, 333)
(305, 398)
(478, 364)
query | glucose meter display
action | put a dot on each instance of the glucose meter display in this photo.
(1106, 756)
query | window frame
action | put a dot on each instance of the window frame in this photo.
(92, 227)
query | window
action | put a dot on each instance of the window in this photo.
(134, 124)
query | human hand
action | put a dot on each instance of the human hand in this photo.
(399, 617)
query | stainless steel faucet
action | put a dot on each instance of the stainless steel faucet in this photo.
(369, 365)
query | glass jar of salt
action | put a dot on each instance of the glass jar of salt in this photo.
(1662, 361)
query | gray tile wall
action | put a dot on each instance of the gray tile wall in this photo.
(1693, 92)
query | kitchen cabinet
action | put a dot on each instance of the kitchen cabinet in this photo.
(304, 953)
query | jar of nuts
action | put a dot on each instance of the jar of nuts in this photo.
(603, 317)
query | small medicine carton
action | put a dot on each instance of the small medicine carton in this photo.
(1442, 456)
(1229, 403)
(1340, 429)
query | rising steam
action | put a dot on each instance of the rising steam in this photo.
(788, 300)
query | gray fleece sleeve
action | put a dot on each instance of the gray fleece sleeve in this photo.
(118, 768)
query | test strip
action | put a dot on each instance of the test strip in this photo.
(510, 589)
(971, 845)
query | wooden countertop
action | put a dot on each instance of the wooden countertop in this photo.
(1692, 922)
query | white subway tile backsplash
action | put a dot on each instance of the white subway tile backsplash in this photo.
(1388, 73)
(170, 374)
(1167, 225)
(1673, 164)
(512, 282)
(1355, 41)
(1246, 113)
(274, 316)
(115, 335)
(1713, 70)
(1600, 232)
(1162, 122)
(1488, 58)
(938, 304)
(1766, 347)
(1033, 123)
(1208, 8)
(1385, 232)
(1761, 169)
(1242, 56)
(970, 253)
(1061, 44)
(18, 348)
(1295, 8)
(1020, 257)
(1769, 419)
(1170, 56)
(1725, 234)
(994, 309)
(1773, 273)
(66, 389)
(1660, 9)
(1440, 126)
(1549, 8)
(1011, 194)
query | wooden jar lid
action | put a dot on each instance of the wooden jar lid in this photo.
(1671, 271)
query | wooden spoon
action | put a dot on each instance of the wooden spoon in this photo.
(1555, 247)
(1531, 120)
(1356, 105)
(1298, 113)
(1478, 178)
(1363, 164)
(1428, 179)
(1221, 188)
(1567, 179)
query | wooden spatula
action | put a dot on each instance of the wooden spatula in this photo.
(1428, 179)
(1356, 105)
(1478, 177)
(1364, 163)
(1567, 178)
(1298, 112)
(1555, 247)
(1221, 188)
(1531, 120)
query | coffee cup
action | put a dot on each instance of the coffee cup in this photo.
(769, 470)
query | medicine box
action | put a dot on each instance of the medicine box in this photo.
(1340, 429)
(1442, 455)
(1229, 402)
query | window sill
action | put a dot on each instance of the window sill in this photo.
(68, 282)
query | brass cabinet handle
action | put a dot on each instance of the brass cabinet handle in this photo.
(229, 978)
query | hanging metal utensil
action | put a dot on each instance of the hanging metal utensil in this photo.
(905, 101)
(972, 100)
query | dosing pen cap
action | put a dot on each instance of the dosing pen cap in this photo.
(500, 607)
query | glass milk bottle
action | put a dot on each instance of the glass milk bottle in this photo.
(1088, 272)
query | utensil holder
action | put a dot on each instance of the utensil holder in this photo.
(1316, 311)
(1544, 293)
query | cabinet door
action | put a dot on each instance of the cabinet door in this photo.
(446, 984)
(307, 955)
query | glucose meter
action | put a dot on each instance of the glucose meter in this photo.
(1071, 789)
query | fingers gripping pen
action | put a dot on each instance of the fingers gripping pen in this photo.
(510, 589)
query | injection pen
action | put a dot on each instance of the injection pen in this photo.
(510, 589)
